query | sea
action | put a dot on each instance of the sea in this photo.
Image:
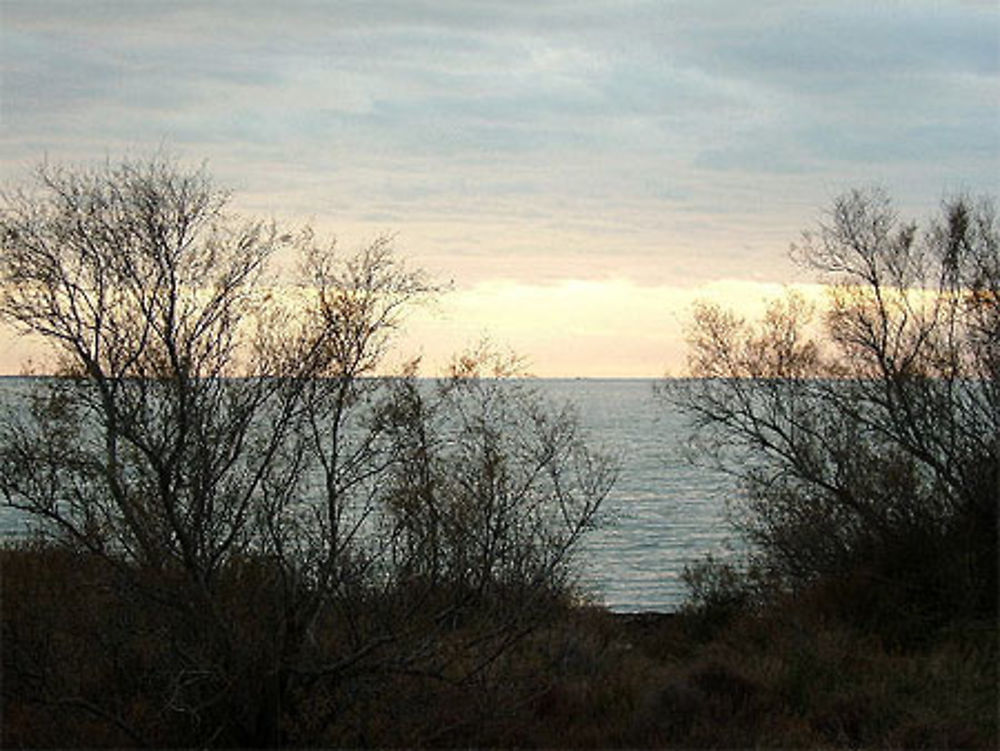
(665, 511)
(667, 508)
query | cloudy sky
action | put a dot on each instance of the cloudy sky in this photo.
(582, 170)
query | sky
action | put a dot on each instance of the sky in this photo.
(580, 171)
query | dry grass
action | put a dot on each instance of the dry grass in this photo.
(88, 663)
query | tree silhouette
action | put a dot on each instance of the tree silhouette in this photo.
(221, 436)
(867, 437)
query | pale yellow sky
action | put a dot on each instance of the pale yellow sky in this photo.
(614, 328)
(572, 328)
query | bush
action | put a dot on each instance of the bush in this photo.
(866, 440)
(288, 519)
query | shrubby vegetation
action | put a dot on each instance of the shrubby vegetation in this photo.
(288, 532)
(866, 437)
(88, 663)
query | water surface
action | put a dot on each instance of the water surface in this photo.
(663, 512)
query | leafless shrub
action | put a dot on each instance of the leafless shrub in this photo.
(867, 440)
(213, 428)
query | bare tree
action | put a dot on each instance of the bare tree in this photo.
(497, 487)
(212, 429)
(867, 437)
(143, 284)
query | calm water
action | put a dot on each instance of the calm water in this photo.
(662, 513)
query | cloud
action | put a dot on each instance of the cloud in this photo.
(538, 139)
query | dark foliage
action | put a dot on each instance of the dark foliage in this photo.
(269, 529)
(868, 442)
